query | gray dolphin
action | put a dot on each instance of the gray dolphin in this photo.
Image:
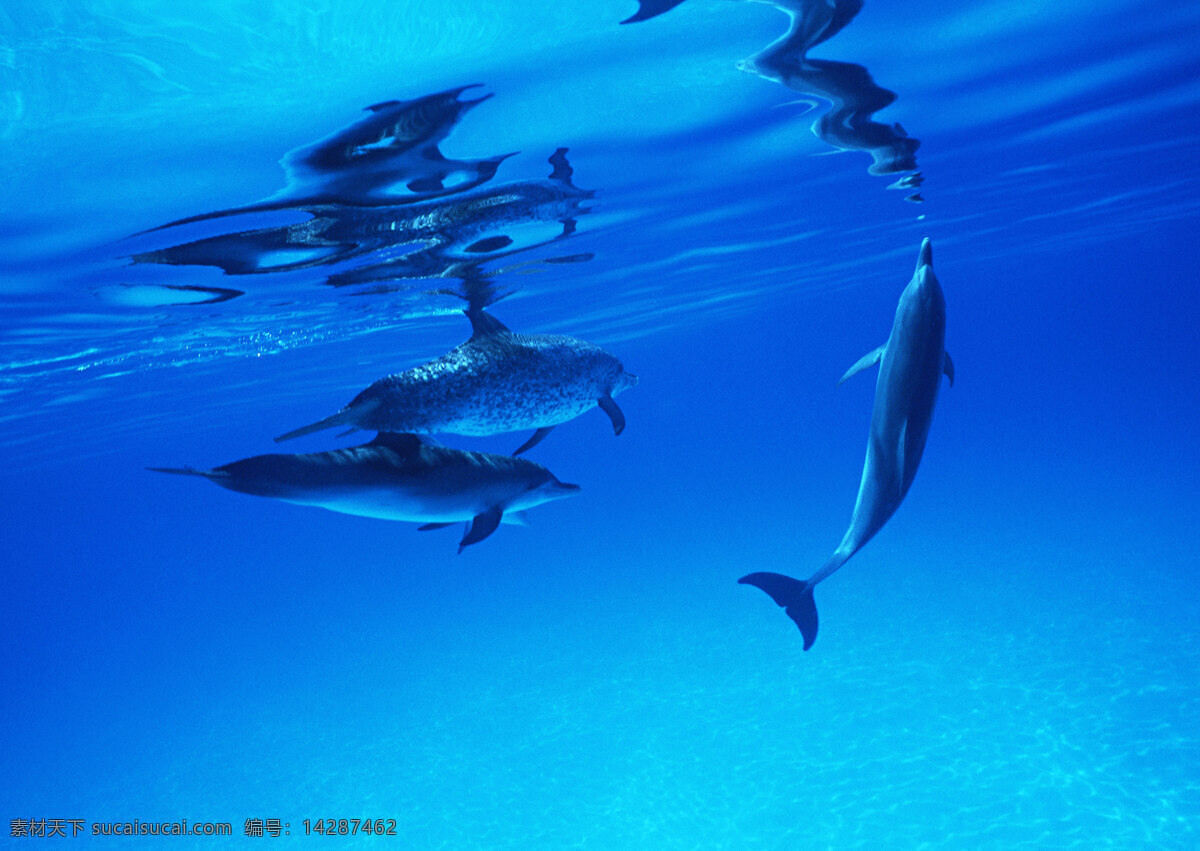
(911, 364)
(398, 477)
(495, 382)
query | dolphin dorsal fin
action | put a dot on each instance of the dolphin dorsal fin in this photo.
(483, 324)
(402, 442)
(948, 367)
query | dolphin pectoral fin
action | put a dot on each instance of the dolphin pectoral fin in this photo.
(869, 359)
(609, 407)
(483, 525)
(537, 437)
(431, 526)
(794, 595)
(948, 367)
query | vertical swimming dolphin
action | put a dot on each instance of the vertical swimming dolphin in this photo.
(911, 364)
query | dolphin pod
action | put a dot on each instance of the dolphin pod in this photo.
(911, 365)
(500, 381)
(495, 382)
(398, 477)
(380, 192)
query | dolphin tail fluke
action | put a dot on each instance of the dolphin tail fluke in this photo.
(796, 597)
(337, 419)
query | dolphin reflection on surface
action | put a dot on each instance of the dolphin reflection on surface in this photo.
(911, 365)
(854, 95)
(445, 237)
(380, 193)
(398, 477)
(389, 157)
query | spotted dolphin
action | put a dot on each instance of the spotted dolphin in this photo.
(911, 364)
(398, 477)
(495, 382)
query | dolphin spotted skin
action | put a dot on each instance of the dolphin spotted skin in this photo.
(398, 477)
(495, 382)
(911, 365)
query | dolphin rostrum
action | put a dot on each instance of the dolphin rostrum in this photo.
(911, 364)
(495, 382)
(398, 477)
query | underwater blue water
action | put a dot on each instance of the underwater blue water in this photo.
(1012, 662)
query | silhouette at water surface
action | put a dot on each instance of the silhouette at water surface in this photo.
(381, 194)
(853, 94)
